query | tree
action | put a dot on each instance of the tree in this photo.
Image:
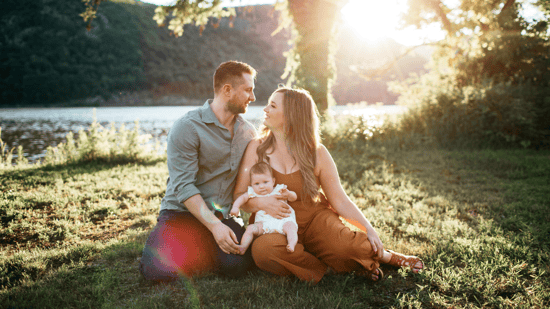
(490, 76)
(310, 62)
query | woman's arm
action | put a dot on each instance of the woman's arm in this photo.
(271, 205)
(339, 200)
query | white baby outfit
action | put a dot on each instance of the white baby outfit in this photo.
(271, 224)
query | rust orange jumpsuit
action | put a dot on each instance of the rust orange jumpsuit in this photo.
(323, 240)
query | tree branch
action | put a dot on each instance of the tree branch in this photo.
(384, 69)
(437, 6)
(508, 4)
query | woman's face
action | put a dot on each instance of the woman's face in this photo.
(274, 112)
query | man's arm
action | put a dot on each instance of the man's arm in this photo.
(183, 167)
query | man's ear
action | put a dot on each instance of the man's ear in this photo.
(226, 90)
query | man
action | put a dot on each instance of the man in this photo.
(194, 233)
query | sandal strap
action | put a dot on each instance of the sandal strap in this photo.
(400, 260)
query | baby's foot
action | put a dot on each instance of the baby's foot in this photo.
(290, 248)
(242, 250)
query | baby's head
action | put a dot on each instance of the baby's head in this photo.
(261, 178)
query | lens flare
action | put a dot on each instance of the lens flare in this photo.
(217, 207)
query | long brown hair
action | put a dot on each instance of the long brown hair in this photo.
(301, 130)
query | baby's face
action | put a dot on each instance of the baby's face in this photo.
(262, 183)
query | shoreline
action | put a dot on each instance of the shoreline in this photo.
(142, 99)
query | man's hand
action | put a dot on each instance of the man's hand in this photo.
(275, 206)
(225, 238)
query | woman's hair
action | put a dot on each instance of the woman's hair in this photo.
(261, 168)
(231, 72)
(301, 131)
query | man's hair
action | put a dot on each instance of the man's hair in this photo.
(231, 72)
(261, 168)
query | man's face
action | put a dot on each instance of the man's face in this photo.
(262, 183)
(241, 95)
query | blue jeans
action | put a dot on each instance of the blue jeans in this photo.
(179, 245)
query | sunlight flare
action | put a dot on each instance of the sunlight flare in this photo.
(374, 21)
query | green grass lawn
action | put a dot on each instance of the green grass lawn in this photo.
(72, 235)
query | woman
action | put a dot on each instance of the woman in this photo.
(289, 142)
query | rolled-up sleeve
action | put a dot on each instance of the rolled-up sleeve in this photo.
(183, 159)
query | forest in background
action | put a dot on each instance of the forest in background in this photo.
(48, 56)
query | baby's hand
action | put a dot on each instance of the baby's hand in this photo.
(284, 192)
(234, 212)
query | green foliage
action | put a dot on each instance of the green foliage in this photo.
(488, 84)
(191, 12)
(310, 64)
(486, 115)
(104, 144)
(95, 144)
(47, 55)
(5, 155)
(183, 66)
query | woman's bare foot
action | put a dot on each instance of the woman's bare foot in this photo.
(375, 275)
(242, 250)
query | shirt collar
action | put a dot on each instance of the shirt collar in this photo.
(208, 115)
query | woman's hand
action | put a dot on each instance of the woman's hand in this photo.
(275, 206)
(375, 242)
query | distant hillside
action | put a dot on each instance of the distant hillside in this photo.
(184, 65)
(48, 56)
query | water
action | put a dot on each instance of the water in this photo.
(37, 128)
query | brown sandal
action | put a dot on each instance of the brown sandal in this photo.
(400, 260)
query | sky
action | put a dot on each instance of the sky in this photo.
(373, 20)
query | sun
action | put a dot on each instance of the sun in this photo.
(373, 20)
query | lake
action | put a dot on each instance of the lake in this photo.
(37, 128)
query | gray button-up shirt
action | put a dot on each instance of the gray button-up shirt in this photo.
(204, 159)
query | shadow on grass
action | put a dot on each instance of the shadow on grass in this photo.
(524, 177)
(42, 175)
(76, 277)
(479, 219)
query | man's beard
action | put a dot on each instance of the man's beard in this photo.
(235, 108)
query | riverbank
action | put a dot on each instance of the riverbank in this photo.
(137, 98)
(72, 235)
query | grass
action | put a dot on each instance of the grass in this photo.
(72, 234)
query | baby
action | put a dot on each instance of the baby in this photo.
(262, 181)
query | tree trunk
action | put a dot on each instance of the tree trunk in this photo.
(315, 22)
